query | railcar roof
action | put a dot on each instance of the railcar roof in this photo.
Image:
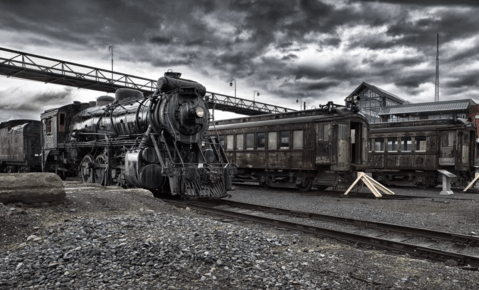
(16, 122)
(287, 118)
(421, 125)
(338, 111)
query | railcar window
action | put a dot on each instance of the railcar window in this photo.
(239, 142)
(420, 143)
(222, 141)
(230, 142)
(284, 138)
(324, 132)
(406, 144)
(342, 131)
(298, 139)
(370, 144)
(272, 140)
(448, 139)
(392, 144)
(48, 126)
(466, 138)
(250, 141)
(379, 144)
(260, 141)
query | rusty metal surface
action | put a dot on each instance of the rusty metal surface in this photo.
(303, 147)
(448, 145)
(20, 141)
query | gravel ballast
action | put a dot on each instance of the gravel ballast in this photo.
(138, 242)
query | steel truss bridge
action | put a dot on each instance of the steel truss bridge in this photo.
(48, 70)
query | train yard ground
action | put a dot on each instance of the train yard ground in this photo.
(114, 238)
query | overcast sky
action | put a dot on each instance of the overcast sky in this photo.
(316, 50)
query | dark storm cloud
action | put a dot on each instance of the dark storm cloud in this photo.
(32, 104)
(234, 38)
(427, 2)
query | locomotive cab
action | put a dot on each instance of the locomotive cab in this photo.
(54, 135)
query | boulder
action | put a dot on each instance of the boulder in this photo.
(31, 188)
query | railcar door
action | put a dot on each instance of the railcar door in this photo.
(341, 142)
(447, 152)
(358, 143)
(324, 143)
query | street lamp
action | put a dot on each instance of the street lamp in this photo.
(231, 84)
(255, 93)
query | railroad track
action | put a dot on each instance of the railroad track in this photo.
(353, 194)
(383, 236)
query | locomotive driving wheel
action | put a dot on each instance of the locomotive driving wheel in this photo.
(86, 169)
(100, 169)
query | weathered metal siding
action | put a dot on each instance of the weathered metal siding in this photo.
(12, 148)
(301, 159)
(20, 143)
(419, 160)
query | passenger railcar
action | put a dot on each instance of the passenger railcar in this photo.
(156, 142)
(321, 147)
(20, 146)
(410, 153)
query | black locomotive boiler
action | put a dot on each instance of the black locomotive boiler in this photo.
(322, 147)
(411, 153)
(20, 146)
(156, 142)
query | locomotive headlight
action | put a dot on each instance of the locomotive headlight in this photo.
(200, 112)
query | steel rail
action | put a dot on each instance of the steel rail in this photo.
(353, 238)
(387, 227)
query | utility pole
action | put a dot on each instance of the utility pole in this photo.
(436, 95)
(110, 48)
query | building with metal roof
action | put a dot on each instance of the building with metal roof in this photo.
(431, 110)
(373, 100)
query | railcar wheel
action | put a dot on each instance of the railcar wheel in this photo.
(86, 169)
(307, 185)
(100, 171)
(426, 183)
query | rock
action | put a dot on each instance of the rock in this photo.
(31, 188)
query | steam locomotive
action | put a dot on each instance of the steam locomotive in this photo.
(156, 142)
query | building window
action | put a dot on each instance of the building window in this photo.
(284, 140)
(379, 144)
(230, 142)
(406, 144)
(272, 140)
(222, 141)
(239, 142)
(250, 141)
(298, 139)
(420, 143)
(260, 141)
